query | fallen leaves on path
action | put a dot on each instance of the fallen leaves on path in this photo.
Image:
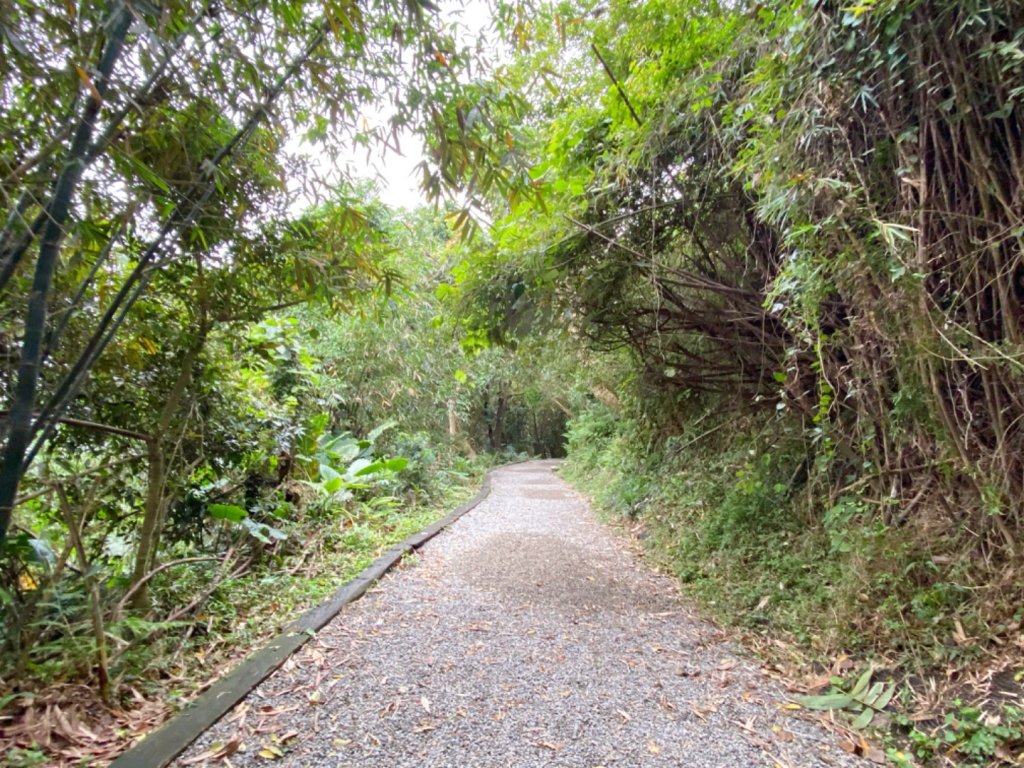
(216, 751)
(271, 752)
(703, 710)
(858, 745)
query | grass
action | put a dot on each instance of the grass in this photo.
(753, 535)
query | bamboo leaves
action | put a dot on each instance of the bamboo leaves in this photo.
(189, 148)
(864, 700)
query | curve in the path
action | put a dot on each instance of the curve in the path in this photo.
(525, 635)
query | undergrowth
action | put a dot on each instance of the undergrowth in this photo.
(745, 516)
(246, 612)
(159, 665)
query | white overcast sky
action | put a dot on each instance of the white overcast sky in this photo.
(398, 178)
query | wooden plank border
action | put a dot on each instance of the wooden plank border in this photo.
(159, 748)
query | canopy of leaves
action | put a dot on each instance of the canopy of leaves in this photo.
(810, 212)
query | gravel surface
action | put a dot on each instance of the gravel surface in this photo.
(525, 635)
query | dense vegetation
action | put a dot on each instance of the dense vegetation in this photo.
(765, 257)
(227, 375)
(791, 234)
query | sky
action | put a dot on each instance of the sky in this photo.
(397, 174)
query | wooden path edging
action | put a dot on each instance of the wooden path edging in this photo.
(163, 745)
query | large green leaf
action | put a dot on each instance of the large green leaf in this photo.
(886, 696)
(342, 448)
(827, 701)
(861, 686)
(359, 468)
(369, 469)
(263, 532)
(331, 478)
(230, 512)
(378, 431)
(864, 698)
(863, 720)
(396, 464)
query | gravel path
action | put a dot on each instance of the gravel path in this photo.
(525, 635)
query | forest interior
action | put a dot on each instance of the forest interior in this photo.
(754, 268)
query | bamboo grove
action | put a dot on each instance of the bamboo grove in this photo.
(765, 257)
(201, 309)
(808, 214)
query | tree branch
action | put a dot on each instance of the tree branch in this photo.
(98, 427)
(159, 569)
(618, 87)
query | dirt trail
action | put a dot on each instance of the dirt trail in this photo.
(525, 635)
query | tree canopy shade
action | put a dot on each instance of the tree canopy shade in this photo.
(734, 192)
(793, 232)
(140, 138)
(766, 257)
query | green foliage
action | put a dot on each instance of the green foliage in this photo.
(26, 758)
(342, 467)
(326, 546)
(759, 204)
(789, 230)
(969, 735)
(148, 191)
(270, 445)
(727, 505)
(863, 699)
(764, 257)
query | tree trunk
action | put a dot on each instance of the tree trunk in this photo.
(152, 520)
(453, 419)
(156, 451)
(58, 209)
(498, 438)
(92, 587)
